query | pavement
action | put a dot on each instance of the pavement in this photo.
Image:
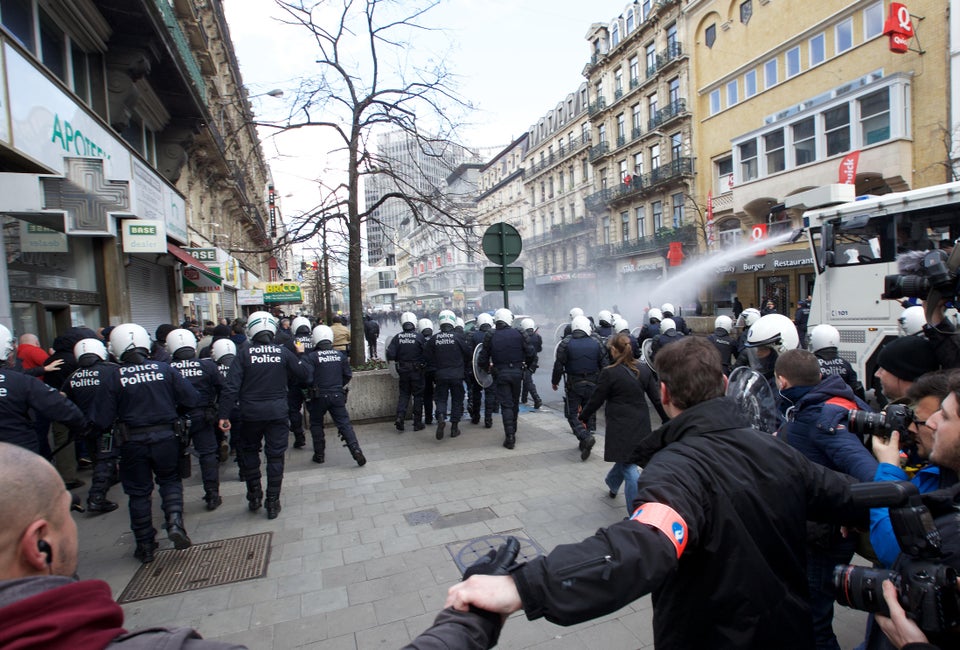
(347, 569)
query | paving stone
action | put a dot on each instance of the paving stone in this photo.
(362, 552)
(301, 632)
(300, 583)
(350, 619)
(253, 591)
(398, 608)
(275, 611)
(225, 621)
(392, 636)
(323, 601)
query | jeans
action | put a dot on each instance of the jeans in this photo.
(629, 475)
(820, 565)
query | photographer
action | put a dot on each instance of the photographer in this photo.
(944, 337)
(901, 362)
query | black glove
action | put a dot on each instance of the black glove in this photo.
(495, 563)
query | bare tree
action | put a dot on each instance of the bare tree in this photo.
(368, 83)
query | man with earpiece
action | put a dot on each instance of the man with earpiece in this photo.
(42, 603)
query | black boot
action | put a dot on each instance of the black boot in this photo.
(586, 445)
(488, 422)
(399, 423)
(319, 457)
(418, 425)
(254, 498)
(454, 429)
(176, 533)
(213, 499)
(358, 456)
(537, 403)
(440, 426)
(510, 441)
(144, 551)
(299, 440)
(272, 504)
(100, 504)
(474, 419)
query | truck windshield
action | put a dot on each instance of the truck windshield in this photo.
(863, 239)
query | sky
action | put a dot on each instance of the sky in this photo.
(515, 60)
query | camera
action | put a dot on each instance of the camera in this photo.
(896, 417)
(933, 272)
(926, 587)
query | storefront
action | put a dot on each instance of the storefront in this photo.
(783, 277)
(558, 292)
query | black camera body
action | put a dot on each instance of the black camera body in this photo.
(933, 272)
(895, 417)
(927, 588)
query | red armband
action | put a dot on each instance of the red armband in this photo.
(665, 519)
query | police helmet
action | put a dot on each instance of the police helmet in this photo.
(667, 309)
(408, 318)
(580, 324)
(301, 323)
(261, 322)
(527, 324)
(447, 317)
(321, 333)
(605, 317)
(460, 323)
(503, 315)
(621, 325)
(425, 324)
(576, 311)
(912, 320)
(667, 324)
(222, 348)
(179, 339)
(774, 331)
(87, 351)
(824, 336)
(7, 344)
(655, 315)
(724, 323)
(128, 337)
(484, 319)
(748, 317)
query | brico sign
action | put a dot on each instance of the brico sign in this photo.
(899, 28)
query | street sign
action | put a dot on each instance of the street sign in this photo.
(501, 244)
(503, 278)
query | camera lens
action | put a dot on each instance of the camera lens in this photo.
(867, 423)
(905, 286)
(862, 587)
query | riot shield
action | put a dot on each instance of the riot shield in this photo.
(484, 378)
(558, 334)
(636, 332)
(646, 352)
(755, 398)
(392, 367)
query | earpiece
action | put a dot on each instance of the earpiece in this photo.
(44, 548)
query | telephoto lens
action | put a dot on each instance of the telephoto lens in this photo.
(861, 587)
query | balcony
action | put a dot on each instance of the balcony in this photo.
(621, 140)
(617, 94)
(639, 185)
(597, 106)
(673, 109)
(569, 148)
(634, 82)
(562, 231)
(684, 234)
(664, 58)
(598, 151)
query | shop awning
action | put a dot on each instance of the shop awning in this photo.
(197, 278)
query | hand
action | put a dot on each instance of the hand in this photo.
(299, 346)
(887, 451)
(497, 594)
(495, 563)
(224, 424)
(554, 388)
(53, 365)
(898, 628)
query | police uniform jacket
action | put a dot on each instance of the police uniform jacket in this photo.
(205, 377)
(649, 331)
(305, 340)
(18, 394)
(449, 354)
(725, 345)
(142, 395)
(82, 386)
(329, 369)
(506, 347)
(258, 379)
(719, 540)
(665, 338)
(581, 357)
(832, 363)
(681, 324)
(604, 331)
(406, 348)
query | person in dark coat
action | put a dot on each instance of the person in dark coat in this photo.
(621, 387)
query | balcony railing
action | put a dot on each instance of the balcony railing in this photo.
(684, 234)
(617, 94)
(598, 150)
(562, 231)
(641, 184)
(597, 106)
(667, 113)
(664, 58)
(634, 82)
(572, 146)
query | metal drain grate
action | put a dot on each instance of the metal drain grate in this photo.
(202, 565)
(466, 553)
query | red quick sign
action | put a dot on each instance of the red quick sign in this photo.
(898, 27)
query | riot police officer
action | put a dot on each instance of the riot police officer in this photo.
(223, 352)
(669, 333)
(507, 350)
(406, 350)
(142, 397)
(579, 360)
(824, 340)
(568, 328)
(449, 354)
(620, 326)
(330, 373)
(259, 379)
(745, 321)
(605, 327)
(667, 310)
(489, 394)
(536, 341)
(81, 388)
(206, 378)
(724, 342)
(652, 327)
(300, 342)
(425, 327)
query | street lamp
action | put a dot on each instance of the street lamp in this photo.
(276, 92)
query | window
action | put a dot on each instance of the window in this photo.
(650, 58)
(773, 148)
(873, 21)
(730, 233)
(818, 50)
(621, 129)
(584, 170)
(656, 209)
(585, 132)
(836, 126)
(618, 83)
(724, 169)
(672, 38)
(630, 23)
(804, 141)
(615, 35)
(875, 117)
(634, 71)
(606, 230)
(715, 102)
(652, 106)
(53, 47)
(624, 226)
(623, 170)
(674, 86)
(678, 209)
(710, 34)
(646, 8)
(654, 156)
(602, 134)
(770, 73)
(676, 146)
(603, 178)
(17, 16)
(748, 160)
(843, 36)
(598, 90)
(746, 11)
(638, 164)
(750, 84)
(570, 176)
(637, 120)
(793, 62)
(640, 214)
(732, 93)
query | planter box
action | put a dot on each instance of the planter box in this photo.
(373, 396)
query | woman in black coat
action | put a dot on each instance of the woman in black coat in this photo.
(622, 386)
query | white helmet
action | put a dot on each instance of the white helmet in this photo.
(127, 337)
(527, 324)
(261, 321)
(7, 344)
(298, 322)
(321, 333)
(86, 347)
(408, 317)
(724, 323)
(667, 324)
(222, 348)
(503, 315)
(484, 319)
(460, 323)
(615, 316)
(580, 323)
(574, 312)
(447, 317)
(824, 336)
(912, 320)
(621, 325)
(667, 308)
(604, 316)
(775, 331)
(179, 339)
(748, 317)
(654, 315)
(424, 324)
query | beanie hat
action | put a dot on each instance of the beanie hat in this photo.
(221, 331)
(908, 357)
(162, 330)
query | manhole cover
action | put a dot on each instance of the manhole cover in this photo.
(202, 565)
(421, 517)
(466, 553)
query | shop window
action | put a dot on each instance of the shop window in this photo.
(17, 17)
